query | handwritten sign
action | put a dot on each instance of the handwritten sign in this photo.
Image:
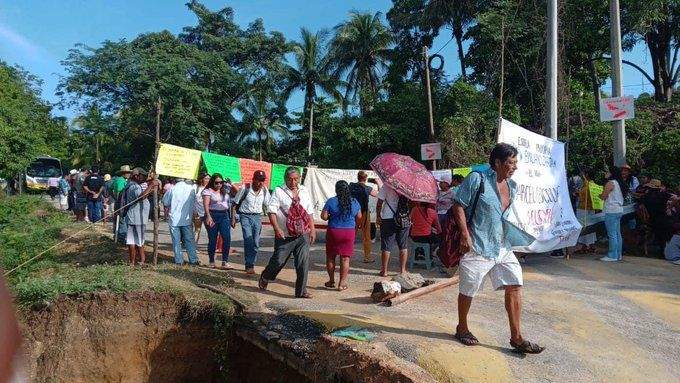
(432, 151)
(442, 175)
(541, 205)
(617, 108)
(175, 161)
(278, 173)
(248, 167)
(461, 171)
(595, 190)
(227, 166)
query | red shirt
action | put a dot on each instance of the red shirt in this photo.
(423, 220)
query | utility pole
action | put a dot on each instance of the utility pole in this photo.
(156, 210)
(617, 88)
(426, 57)
(551, 86)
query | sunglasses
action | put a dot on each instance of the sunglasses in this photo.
(219, 182)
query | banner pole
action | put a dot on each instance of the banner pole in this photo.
(156, 210)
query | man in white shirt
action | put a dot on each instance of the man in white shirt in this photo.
(179, 202)
(250, 201)
(389, 232)
(285, 243)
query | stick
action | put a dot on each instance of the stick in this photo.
(423, 290)
(115, 234)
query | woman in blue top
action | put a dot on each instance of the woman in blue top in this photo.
(342, 213)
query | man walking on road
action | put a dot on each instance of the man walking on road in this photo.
(93, 186)
(487, 241)
(179, 202)
(361, 192)
(290, 213)
(137, 214)
(250, 201)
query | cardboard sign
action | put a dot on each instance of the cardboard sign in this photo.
(229, 167)
(461, 171)
(432, 151)
(175, 161)
(617, 108)
(278, 173)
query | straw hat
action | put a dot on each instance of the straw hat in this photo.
(124, 169)
(654, 183)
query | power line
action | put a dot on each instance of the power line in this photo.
(440, 49)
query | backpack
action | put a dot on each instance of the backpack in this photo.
(245, 195)
(358, 191)
(297, 218)
(402, 216)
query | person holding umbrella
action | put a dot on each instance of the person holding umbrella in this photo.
(404, 180)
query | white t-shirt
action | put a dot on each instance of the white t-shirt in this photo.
(614, 202)
(252, 203)
(280, 202)
(388, 195)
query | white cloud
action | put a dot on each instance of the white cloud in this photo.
(16, 41)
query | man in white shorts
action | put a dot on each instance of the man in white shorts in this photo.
(481, 209)
(137, 213)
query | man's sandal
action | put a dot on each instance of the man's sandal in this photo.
(329, 284)
(467, 338)
(527, 347)
(262, 284)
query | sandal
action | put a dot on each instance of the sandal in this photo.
(329, 284)
(467, 338)
(342, 287)
(262, 284)
(304, 296)
(527, 347)
(381, 274)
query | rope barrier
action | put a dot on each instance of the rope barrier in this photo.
(70, 237)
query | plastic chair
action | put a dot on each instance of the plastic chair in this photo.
(427, 255)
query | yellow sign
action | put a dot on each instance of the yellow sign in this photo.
(175, 161)
(462, 171)
(595, 191)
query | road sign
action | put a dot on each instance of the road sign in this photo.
(431, 151)
(617, 108)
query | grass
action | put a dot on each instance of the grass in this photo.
(90, 262)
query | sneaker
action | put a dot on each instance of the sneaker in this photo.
(557, 254)
(226, 266)
(250, 271)
(607, 259)
(212, 265)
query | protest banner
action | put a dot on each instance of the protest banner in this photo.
(321, 186)
(278, 172)
(175, 161)
(595, 190)
(617, 108)
(461, 171)
(227, 166)
(442, 175)
(541, 206)
(248, 167)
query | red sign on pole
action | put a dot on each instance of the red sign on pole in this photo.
(617, 108)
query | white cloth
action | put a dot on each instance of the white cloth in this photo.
(280, 202)
(135, 235)
(180, 200)
(252, 203)
(503, 271)
(614, 202)
(198, 205)
(389, 196)
(445, 201)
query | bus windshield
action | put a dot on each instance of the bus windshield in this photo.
(44, 167)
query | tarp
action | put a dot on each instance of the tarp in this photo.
(278, 172)
(462, 171)
(227, 166)
(175, 161)
(321, 185)
(595, 191)
(248, 167)
(542, 206)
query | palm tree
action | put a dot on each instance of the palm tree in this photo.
(360, 50)
(312, 72)
(458, 15)
(262, 117)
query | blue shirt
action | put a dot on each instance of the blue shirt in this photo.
(490, 230)
(337, 220)
(180, 200)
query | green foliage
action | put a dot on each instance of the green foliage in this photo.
(26, 127)
(28, 225)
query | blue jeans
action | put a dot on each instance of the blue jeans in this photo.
(94, 210)
(222, 226)
(184, 234)
(251, 225)
(612, 221)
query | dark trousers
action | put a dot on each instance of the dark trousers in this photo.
(283, 248)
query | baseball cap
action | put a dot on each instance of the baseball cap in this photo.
(259, 175)
(138, 170)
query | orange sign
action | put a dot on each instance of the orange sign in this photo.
(248, 167)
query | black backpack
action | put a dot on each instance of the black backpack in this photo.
(358, 191)
(402, 216)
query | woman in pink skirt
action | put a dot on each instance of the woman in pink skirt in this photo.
(342, 213)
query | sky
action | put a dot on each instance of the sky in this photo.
(37, 34)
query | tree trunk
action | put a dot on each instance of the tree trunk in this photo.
(311, 129)
(259, 144)
(96, 145)
(659, 48)
(595, 82)
(458, 34)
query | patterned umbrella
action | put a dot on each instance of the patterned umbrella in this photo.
(406, 176)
